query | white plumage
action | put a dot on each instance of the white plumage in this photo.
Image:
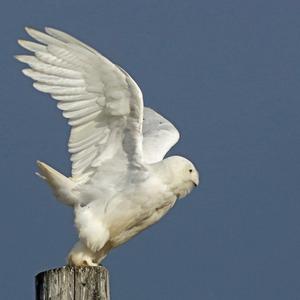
(120, 182)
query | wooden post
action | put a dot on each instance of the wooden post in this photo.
(73, 283)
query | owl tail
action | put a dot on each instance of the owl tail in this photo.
(61, 185)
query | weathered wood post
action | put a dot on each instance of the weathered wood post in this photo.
(73, 283)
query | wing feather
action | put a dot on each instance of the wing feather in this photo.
(102, 102)
(53, 80)
(159, 136)
(76, 105)
(31, 46)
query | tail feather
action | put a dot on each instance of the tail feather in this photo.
(61, 185)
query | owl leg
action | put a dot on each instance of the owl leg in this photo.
(91, 229)
(81, 255)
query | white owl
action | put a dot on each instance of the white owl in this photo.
(120, 183)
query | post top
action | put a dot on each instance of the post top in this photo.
(71, 269)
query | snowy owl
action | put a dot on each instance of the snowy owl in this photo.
(120, 184)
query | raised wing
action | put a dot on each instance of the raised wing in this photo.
(159, 136)
(103, 104)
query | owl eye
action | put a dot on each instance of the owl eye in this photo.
(190, 170)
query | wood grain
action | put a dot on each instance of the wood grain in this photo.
(73, 283)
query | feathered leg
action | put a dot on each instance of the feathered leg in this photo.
(81, 255)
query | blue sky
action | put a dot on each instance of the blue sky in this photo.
(227, 74)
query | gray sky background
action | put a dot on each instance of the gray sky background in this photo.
(227, 73)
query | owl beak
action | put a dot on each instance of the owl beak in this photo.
(196, 180)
